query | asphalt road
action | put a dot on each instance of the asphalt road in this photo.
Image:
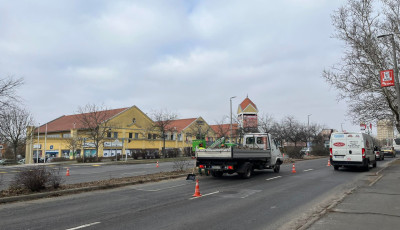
(90, 172)
(268, 200)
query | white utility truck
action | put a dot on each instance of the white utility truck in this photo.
(258, 151)
(352, 150)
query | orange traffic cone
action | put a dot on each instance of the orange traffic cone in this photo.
(197, 190)
(293, 169)
(67, 172)
(329, 163)
(157, 164)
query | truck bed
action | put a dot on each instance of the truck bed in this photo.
(233, 153)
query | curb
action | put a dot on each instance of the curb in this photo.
(80, 190)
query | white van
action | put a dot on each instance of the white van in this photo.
(352, 150)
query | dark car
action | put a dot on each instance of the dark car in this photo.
(379, 156)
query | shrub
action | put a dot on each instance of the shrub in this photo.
(293, 152)
(55, 177)
(60, 159)
(320, 150)
(32, 178)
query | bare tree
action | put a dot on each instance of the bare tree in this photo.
(223, 128)
(200, 129)
(265, 123)
(74, 143)
(94, 120)
(357, 78)
(162, 124)
(7, 91)
(13, 126)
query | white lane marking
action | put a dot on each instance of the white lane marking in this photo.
(204, 195)
(83, 226)
(308, 170)
(273, 178)
(156, 190)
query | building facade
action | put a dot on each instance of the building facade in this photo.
(126, 131)
(385, 131)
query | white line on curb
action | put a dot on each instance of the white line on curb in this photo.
(83, 226)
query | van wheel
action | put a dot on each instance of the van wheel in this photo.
(336, 167)
(366, 166)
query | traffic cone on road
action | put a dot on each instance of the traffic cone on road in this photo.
(197, 190)
(329, 162)
(67, 172)
(157, 164)
(293, 169)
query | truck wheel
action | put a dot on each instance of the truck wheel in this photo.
(217, 173)
(277, 168)
(247, 173)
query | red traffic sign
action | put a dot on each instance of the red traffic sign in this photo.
(387, 78)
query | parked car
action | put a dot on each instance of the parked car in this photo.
(305, 151)
(7, 161)
(379, 156)
(388, 151)
(40, 160)
(22, 161)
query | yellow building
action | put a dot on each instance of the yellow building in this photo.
(126, 131)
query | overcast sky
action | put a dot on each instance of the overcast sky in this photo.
(187, 56)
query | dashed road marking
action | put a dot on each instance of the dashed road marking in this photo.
(96, 165)
(307, 170)
(273, 178)
(84, 226)
(208, 194)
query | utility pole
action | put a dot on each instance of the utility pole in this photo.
(230, 136)
(308, 129)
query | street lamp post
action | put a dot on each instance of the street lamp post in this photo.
(395, 70)
(308, 129)
(230, 136)
(37, 151)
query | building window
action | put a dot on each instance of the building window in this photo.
(149, 136)
(136, 135)
(53, 136)
(179, 137)
(109, 134)
(154, 136)
(130, 135)
(115, 134)
(172, 137)
(66, 135)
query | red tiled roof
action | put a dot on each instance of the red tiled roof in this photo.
(246, 102)
(224, 128)
(67, 122)
(181, 124)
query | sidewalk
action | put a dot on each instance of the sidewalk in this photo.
(373, 206)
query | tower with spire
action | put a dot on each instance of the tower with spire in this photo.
(247, 115)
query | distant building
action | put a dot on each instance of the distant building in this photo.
(385, 130)
(247, 116)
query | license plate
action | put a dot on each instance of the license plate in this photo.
(216, 167)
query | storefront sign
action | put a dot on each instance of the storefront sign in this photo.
(387, 78)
